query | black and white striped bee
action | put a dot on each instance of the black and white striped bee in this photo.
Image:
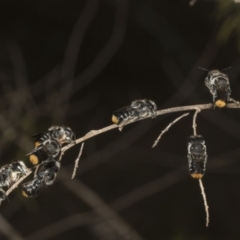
(137, 109)
(197, 156)
(44, 176)
(62, 134)
(45, 150)
(219, 86)
(9, 174)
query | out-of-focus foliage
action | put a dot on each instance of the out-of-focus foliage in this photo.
(229, 13)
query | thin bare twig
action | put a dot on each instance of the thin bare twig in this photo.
(194, 121)
(167, 128)
(205, 201)
(7, 229)
(77, 160)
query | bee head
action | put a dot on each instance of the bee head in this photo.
(22, 167)
(19, 167)
(69, 135)
(214, 73)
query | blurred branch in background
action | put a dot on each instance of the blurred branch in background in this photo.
(71, 55)
(9, 230)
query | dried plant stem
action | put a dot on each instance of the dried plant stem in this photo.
(167, 128)
(94, 133)
(205, 201)
(194, 121)
(77, 160)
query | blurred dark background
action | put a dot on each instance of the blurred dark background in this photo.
(75, 62)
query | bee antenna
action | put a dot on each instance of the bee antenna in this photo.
(203, 69)
(225, 69)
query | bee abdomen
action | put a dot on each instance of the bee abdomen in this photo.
(197, 169)
(197, 156)
(119, 117)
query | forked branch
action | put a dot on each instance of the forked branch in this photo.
(94, 133)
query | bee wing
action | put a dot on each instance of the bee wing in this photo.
(123, 109)
(35, 150)
(30, 153)
(207, 83)
(38, 135)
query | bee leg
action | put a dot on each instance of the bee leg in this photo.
(3, 195)
(122, 124)
(154, 113)
(213, 90)
(120, 127)
(137, 116)
(234, 101)
(214, 97)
